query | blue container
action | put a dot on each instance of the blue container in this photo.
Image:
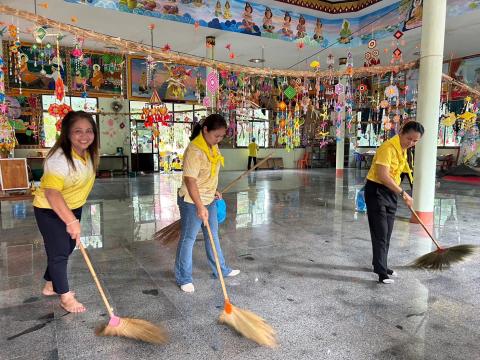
(360, 204)
(221, 210)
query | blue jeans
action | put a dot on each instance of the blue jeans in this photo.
(191, 224)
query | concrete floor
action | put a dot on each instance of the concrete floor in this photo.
(305, 257)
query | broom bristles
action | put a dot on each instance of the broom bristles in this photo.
(135, 329)
(250, 325)
(441, 259)
(169, 234)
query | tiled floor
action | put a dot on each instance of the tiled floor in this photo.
(305, 258)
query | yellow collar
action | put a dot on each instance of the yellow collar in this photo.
(395, 141)
(213, 154)
(75, 155)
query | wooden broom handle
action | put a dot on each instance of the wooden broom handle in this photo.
(229, 186)
(217, 262)
(425, 228)
(94, 275)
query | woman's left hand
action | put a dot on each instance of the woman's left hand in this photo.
(218, 195)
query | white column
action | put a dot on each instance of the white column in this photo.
(210, 54)
(340, 139)
(429, 87)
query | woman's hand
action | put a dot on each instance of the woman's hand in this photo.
(202, 213)
(74, 229)
(408, 200)
(218, 195)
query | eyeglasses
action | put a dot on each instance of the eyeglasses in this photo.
(79, 132)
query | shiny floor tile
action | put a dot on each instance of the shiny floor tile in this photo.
(305, 258)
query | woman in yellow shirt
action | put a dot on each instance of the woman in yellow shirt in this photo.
(252, 153)
(196, 198)
(382, 189)
(69, 174)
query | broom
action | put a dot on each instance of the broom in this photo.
(127, 327)
(171, 233)
(245, 322)
(442, 257)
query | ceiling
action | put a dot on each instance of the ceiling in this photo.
(460, 39)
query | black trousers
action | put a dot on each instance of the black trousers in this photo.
(381, 208)
(250, 158)
(58, 246)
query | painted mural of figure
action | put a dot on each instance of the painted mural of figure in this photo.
(345, 33)
(301, 27)
(227, 14)
(318, 35)
(57, 72)
(415, 15)
(287, 23)
(268, 21)
(131, 4)
(97, 77)
(25, 74)
(78, 80)
(142, 85)
(247, 22)
(218, 9)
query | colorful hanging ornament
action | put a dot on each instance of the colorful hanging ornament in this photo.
(397, 52)
(155, 111)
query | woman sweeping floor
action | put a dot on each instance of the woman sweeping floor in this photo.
(69, 174)
(196, 198)
(382, 189)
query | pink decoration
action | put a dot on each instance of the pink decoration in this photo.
(212, 82)
(206, 101)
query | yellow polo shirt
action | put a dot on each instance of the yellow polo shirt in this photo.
(74, 184)
(391, 155)
(252, 149)
(196, 165)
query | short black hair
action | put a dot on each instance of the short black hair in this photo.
(413, 126)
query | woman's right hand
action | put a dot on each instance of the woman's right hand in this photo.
(74, 230)
(408, 200)
(202, 213)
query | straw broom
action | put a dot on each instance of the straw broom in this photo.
(171, 233)
(127, 327)
(442, 257)
(245, 322)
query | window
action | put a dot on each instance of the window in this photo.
(254, 124)
(76, 103)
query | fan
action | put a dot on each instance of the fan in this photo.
(116, 106)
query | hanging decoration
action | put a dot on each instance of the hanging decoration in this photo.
(155, 112)
(7, 137)
(397, 56)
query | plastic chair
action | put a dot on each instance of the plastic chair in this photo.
(303, 162)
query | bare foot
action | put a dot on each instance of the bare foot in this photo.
(48, 290)
(70, 304)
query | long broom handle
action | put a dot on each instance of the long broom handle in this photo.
(425, 228)
(229, 186)
(97, 282)
(217, 262)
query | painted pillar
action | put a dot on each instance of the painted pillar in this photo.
(210, 54)
(340, 129)
(429, 87)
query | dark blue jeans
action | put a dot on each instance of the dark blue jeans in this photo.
(58, 245)
(191, 225)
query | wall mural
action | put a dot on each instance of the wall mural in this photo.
(34, 67)
(259, 20)
(172, 81)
